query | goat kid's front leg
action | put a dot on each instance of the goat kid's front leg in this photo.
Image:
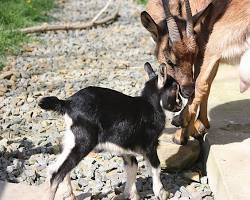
(158, 188)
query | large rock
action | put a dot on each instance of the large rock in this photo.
(175, 157)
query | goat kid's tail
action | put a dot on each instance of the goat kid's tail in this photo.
(54, 104)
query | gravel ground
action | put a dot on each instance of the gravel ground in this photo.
(60, 64)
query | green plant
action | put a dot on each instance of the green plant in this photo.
(142, 1)
(15, 14)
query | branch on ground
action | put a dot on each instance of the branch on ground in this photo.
(75, 25)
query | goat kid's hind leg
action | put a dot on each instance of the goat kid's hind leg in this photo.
(154, 162)
(131, 166)
(72, 154)
(67, 188)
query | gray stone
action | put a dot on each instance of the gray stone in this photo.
(10, 169)
(184, 192)
(82, 182)
(204, 180)
(184, 198)
(177, 194)
(3, 143)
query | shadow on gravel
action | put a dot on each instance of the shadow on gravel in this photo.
(83, 196)
(12, 162)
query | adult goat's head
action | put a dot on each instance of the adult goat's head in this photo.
(176, 45)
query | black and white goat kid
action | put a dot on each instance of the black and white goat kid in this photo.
(106, 119)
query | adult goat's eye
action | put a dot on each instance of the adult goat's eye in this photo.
(169, 62)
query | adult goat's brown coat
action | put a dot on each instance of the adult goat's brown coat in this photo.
(221, 34)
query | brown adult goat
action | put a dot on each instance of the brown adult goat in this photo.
(220, 32)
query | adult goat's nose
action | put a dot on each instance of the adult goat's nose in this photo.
(187, 90)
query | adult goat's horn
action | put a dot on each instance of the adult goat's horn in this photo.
(171, 24)
(190, 24)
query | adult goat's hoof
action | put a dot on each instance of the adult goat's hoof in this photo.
(201, 129)
(176, 121)
(180, 138)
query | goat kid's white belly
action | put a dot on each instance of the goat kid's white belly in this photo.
(69, 144)
(69, 141)
(114, 148)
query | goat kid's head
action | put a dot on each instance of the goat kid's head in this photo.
(166, 86)
(176, 45)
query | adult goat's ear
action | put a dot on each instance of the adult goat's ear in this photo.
(150, 25)
(200, 16)
(162, 76)
(150, 72)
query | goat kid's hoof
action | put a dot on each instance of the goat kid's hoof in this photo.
(125, 197)
(70, 197)
(120, 197)
(135, 196)
(163, 194)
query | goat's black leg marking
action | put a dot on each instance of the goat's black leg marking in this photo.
(131, 166)
(154, 162)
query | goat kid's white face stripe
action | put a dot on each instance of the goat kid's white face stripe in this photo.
(68, 145)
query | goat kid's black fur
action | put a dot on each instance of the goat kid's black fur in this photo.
(101, 115)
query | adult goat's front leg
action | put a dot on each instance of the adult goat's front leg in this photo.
(202, 88)
(202, 123)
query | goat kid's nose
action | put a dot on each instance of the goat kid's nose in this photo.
(187, 90)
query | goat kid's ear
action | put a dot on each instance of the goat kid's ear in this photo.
(150, 72)
(150, 25)
(162, 76)
(200, 16)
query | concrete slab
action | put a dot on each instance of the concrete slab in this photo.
(20, 191)
(227, 145)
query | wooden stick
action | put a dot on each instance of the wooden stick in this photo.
(101, 11)
(73, 26)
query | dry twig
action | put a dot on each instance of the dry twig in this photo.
(75, 25)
